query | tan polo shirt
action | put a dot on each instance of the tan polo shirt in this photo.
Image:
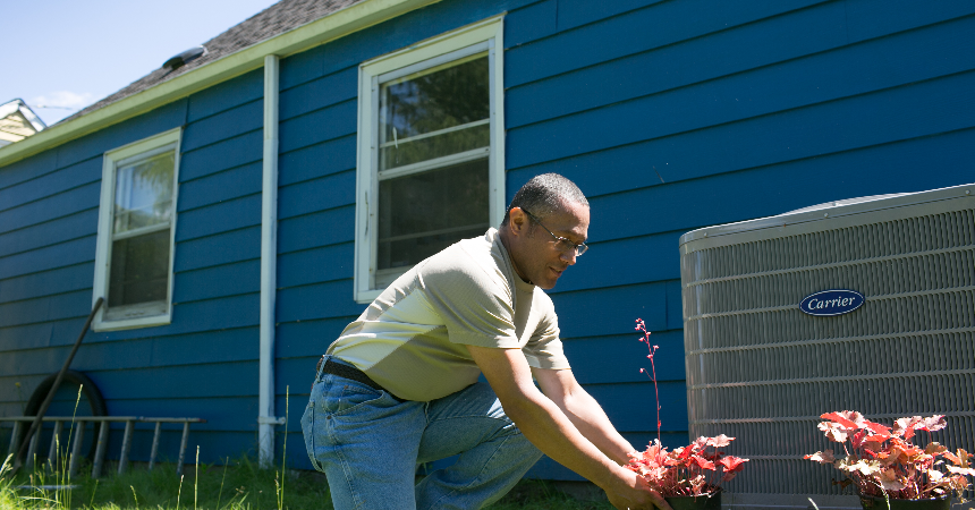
(412, 339)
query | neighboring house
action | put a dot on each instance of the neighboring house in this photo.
(329, 145)
(18, 121)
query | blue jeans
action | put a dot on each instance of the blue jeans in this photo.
(369, 444)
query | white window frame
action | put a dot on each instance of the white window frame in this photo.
(477, 38)
(147, 316)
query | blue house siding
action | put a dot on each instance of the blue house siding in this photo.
(204, 363)
(729, 114)
(317, 181)
(670, 115)
(48, 222)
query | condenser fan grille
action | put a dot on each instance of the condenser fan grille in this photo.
(762, 370)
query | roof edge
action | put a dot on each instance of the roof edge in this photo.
(333, 26)
(19, 105)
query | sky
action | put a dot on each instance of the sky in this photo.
(63, 55)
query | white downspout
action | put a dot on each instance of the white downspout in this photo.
(269, 262)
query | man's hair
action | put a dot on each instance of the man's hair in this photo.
(546, 194)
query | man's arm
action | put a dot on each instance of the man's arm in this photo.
(584, 412)
(548, 428)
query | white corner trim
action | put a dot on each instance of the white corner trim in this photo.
(338, 24)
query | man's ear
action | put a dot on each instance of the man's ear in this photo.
(517, 221)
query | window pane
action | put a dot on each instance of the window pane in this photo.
(462, 140)
(449, 109)
(421, 214)
(144, 193)
(140, 269)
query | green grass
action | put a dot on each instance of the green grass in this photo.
(241, 485)
(236, 485)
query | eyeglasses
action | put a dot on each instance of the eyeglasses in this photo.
(561, 243)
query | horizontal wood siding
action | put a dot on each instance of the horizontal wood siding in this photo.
(317, 182)
(204, 363)
(681, 114)
(670, 115)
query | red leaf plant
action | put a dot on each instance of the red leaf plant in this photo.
(693, 470)
(883, 462)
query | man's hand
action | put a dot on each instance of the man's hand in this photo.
(548, 428)
(635, 494)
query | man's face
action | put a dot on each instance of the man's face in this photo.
(536, 255)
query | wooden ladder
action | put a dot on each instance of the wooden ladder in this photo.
(102, 445)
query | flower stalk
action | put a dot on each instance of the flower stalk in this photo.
(640, 326)
(693, 470)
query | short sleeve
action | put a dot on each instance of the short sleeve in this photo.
(472, 298)
(544, 348)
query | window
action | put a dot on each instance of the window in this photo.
(431, 152)
(134, 256)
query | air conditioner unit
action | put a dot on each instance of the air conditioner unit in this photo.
(761, 369)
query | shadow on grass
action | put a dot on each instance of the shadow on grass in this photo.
(544, 495)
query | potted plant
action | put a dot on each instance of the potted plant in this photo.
(888, 470)
(688, 477)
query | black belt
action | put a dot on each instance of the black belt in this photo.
(353, 373)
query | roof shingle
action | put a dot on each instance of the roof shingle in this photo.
(277, 19)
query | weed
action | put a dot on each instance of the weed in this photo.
(279, 487)
(196, 478)
(179, 491)
(222, 480)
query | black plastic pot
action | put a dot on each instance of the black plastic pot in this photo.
(875, 503)
(698, 503)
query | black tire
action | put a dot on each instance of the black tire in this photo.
(89, 390)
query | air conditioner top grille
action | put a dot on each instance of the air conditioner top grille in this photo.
(832, 211)
(933, 234)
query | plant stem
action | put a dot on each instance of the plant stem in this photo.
(284, 448)
(640, 326)
(196, 478)
(226, 465)
(179, 491)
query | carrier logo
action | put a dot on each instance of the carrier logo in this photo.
(831, 302)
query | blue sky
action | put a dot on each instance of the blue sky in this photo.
(65, 55)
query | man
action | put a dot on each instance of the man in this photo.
(399, 386)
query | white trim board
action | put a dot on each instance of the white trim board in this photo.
(110, 162)
(476, 39)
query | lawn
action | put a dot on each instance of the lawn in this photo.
(240, 485)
